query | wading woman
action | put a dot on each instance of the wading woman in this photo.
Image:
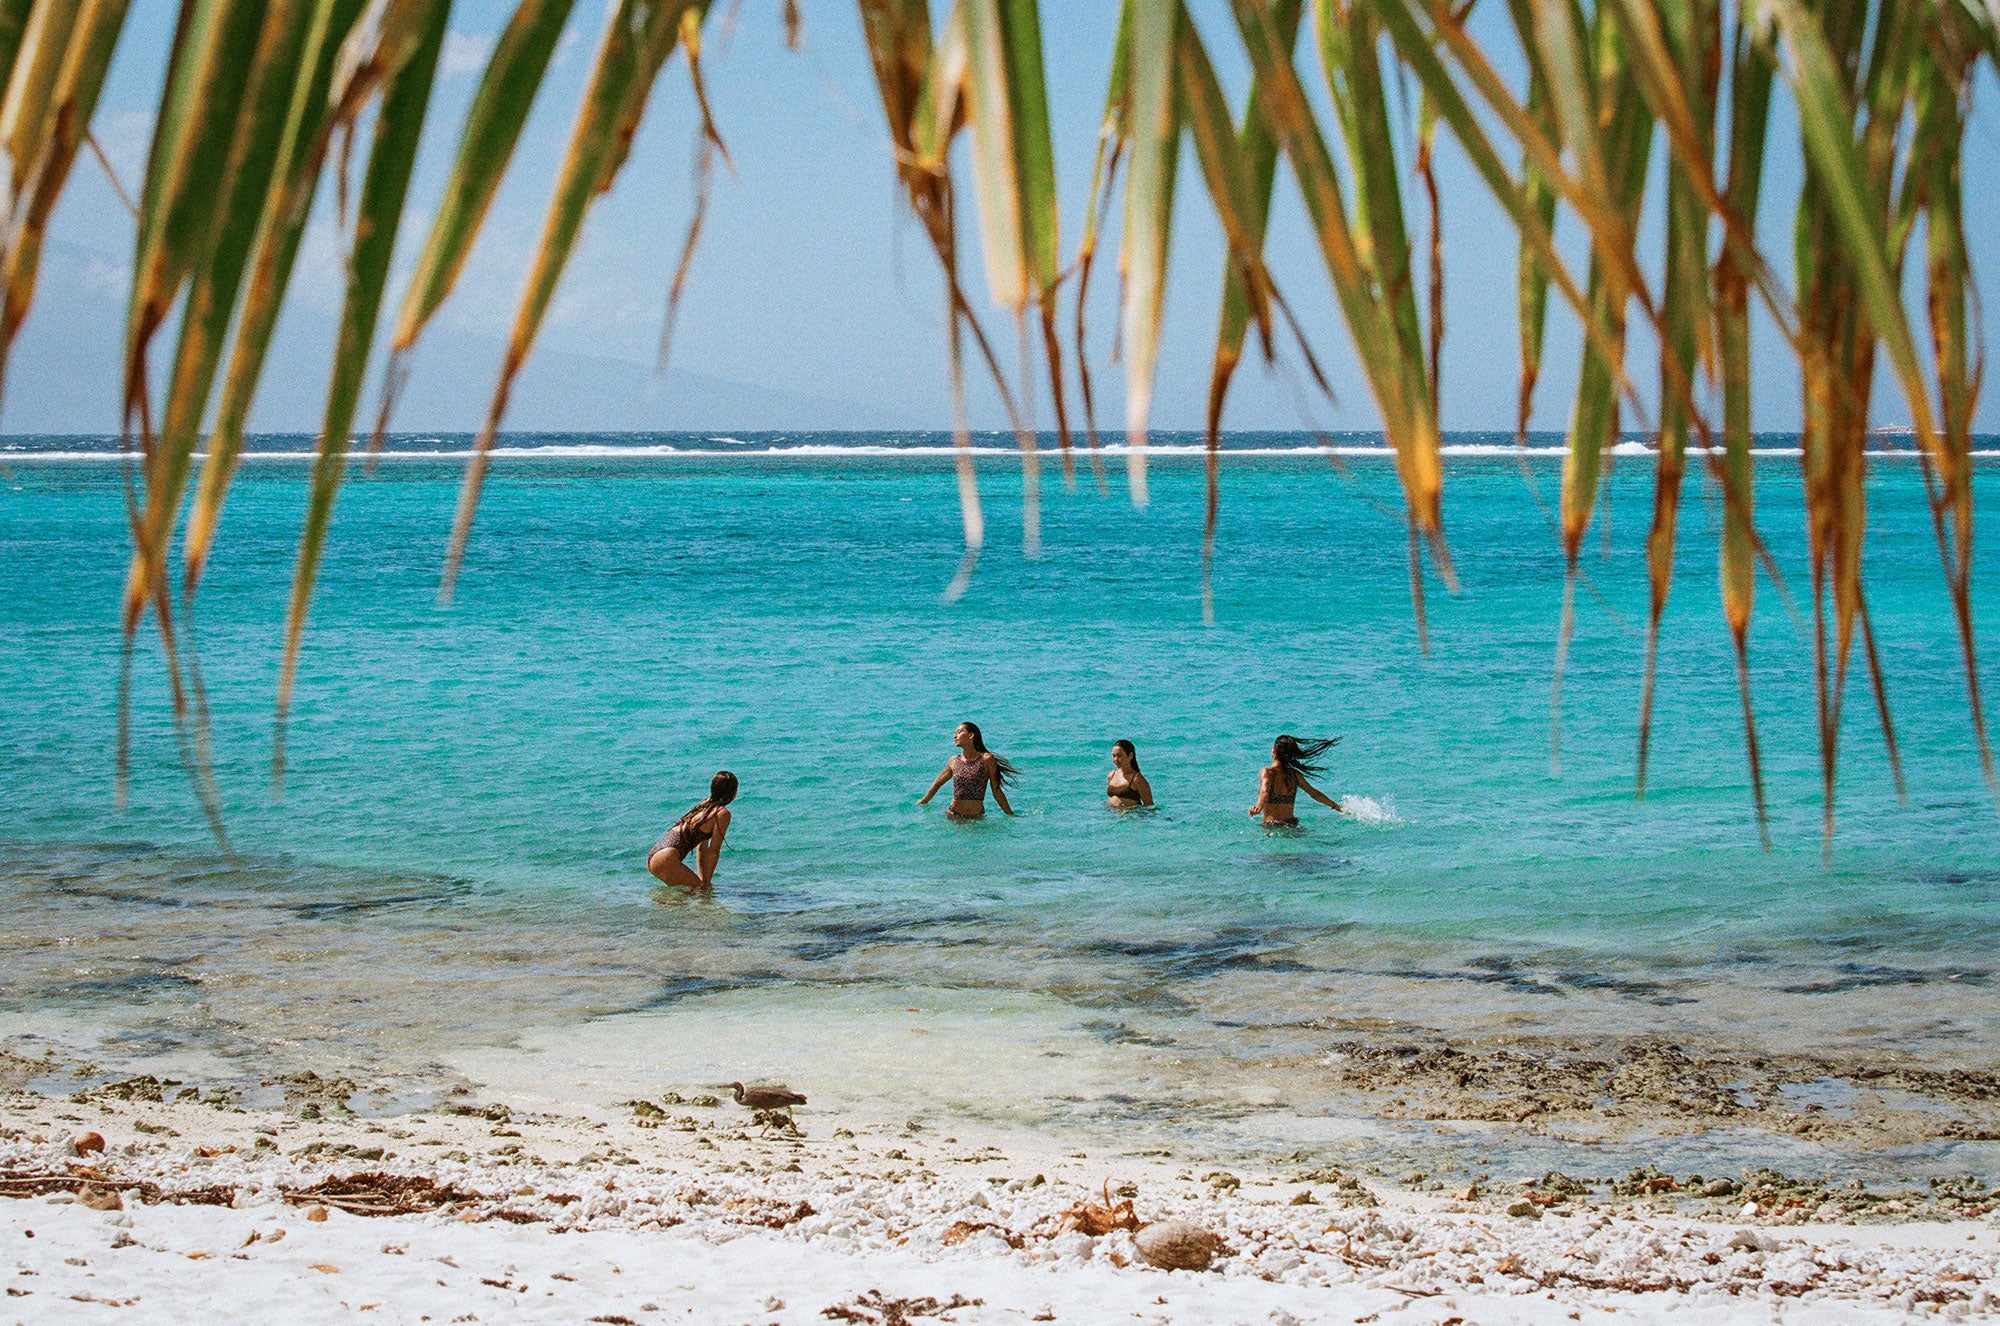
(700, 833)
(1125, 786)
(969, 772)
(1281, 781)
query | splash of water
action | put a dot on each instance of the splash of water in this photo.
(1368, 810)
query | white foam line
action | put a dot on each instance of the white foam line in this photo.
(814, 451)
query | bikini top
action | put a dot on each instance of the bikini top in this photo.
(1274, 797)
(1125, 793)
(968, 778)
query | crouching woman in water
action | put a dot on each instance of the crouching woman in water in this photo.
(700, 832)
(1281, 781)
(969, 772)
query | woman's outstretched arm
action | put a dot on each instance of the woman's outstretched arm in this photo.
(999, 793)
(941, 780)
(1320, 796)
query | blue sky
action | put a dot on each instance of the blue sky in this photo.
(814, 301)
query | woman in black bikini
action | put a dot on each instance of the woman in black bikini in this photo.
(1125, 785)
(700, 831)
(1281, 781)
(969, 772)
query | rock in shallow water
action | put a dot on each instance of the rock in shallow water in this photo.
(1176, 1245)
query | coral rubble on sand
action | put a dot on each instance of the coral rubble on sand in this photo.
(193, 1203)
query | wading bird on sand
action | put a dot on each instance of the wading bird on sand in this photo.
(764, 1098)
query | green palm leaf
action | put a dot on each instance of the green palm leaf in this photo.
(1153, 134)
(408, 69)
(308, 125)
(638, 37)
(1398, 380)
(486, 145)
(56, 71)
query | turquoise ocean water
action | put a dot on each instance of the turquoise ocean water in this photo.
(455, 863)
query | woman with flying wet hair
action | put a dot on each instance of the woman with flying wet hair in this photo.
(700, 831)
(1281, 781)
(1125, 787)
(969, 772)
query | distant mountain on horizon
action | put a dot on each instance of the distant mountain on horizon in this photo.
(64, 375)
(64, 378)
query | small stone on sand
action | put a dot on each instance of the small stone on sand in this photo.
(1176, 1245)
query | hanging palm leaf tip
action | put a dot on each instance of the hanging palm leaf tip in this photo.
(925, 84)
(639, 35)
(54, 58)
(398, 127)
(1692, 37)
(1366, 263)
(256, 93)
(1853, 76)
(492, 129)
(1014, 176)
(1257, 149)
(307, 126)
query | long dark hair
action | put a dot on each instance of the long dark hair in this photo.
(1299, 756)
(1004, 771)
(1131, 752)
(721, 791)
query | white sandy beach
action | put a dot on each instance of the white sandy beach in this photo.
(684, 1212)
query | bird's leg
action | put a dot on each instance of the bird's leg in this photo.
(780, 1119)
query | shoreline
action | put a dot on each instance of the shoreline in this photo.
(528, 1207)
(1370, 1094)
(1381, 1100)
(1244, 1045)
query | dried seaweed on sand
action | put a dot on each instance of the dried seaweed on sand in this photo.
(375, 1193)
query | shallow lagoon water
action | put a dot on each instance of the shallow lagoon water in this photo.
(453, 871)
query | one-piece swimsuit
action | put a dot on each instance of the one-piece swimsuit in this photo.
(685, 840)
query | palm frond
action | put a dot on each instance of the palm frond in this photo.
(486, 145)
(639, 35)
(408, 67)
(1395, 374)
(60, 53)
(308, 126)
